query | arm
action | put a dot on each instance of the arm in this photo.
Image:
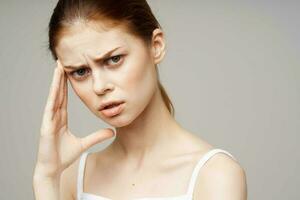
(58, 188)
(221, 179)
(58, 147)
(46, 188)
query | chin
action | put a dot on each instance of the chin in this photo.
(118, 121)
(125, 118)
(122, 120)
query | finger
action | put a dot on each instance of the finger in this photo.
(64, 111)
(61, 88)
(53, 93)
(65, 89)
(65, 93)
(96, 137)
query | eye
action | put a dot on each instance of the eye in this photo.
(79, 73)
(114, 60)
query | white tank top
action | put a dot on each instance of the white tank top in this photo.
(187, 196)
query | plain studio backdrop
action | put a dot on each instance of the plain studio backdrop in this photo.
(232, 71)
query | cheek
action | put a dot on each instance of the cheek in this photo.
(81, 91)
(138, 73)
(140, 83)
(135, 77)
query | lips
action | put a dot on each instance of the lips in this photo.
(113, 110)
(110, 104)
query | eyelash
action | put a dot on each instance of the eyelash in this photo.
(105, 61)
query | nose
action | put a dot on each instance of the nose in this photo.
(100, 85)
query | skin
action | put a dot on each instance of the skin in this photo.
(145, 125)
(146, 133)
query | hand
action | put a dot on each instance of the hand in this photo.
(58, 147)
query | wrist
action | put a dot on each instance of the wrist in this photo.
(41, 178)
(43, 173)
(46, 187)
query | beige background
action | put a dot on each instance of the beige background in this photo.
(232, 71)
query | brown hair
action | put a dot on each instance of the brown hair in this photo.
(136, 15)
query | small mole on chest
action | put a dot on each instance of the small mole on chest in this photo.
(133, 184)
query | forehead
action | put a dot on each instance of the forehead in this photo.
(80, 40)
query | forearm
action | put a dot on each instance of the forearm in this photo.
(46, 188)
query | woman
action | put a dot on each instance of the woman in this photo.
(109, 51)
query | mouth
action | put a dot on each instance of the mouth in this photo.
(111, 104)
(112, 109)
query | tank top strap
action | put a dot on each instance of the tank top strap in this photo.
(80, 175)
(199, 165)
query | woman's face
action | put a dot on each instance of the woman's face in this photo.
(127, 73)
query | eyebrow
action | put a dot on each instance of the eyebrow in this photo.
(97, 59)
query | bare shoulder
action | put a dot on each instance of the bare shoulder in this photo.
(69, 181)
(69, 176)
(221, 178)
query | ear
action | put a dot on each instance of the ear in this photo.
(158, 46)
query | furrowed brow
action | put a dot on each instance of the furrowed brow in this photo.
(97, 59)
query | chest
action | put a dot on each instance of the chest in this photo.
(160, 179)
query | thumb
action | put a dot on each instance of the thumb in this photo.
(96, 137)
